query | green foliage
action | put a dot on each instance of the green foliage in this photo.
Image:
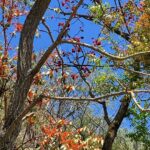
(105, 82)
(98, 10)
(139, 122)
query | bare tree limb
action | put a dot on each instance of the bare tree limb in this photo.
(124, 35)
(97, 99)
(106, 113)
(113, 57)
(134, 71)
(55, 44)
(137, 104)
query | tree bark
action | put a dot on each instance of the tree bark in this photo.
(115, 124)
(8, 135)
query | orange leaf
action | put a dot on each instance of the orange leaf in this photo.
(49, 132)
(30, 94)
(31, 120)
(19, 27)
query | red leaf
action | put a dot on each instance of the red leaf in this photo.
(19, 27)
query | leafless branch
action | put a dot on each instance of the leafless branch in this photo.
(97, 99)
(55, 44)
(134, 71)
(137, 104)
(124, 35)
(113, 57)
(106, 113)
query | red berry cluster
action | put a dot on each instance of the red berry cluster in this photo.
(85, 69)
(76, 49)
(64, 2)
(61, 24)
(96, 42)
(74, 76)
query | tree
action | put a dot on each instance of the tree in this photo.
(95, 64)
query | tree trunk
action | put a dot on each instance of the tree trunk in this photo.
(15, 108)
(115, 124)
(10, 131)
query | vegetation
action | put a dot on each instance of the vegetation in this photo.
(74, 75)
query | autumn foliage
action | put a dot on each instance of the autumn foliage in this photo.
(57, 58)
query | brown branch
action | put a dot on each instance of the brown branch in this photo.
(88, 84)
(27, 36)
(93, 96)
(115, 124)
(124, 35)
(55, 44)
(23, 113)
(134, 71)
(123, 14)
(52, 39)
(106, 113)
(96, 99)
(18, 97)
(24, 60)
(113, 57)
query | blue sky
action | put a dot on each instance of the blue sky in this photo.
(91, 30)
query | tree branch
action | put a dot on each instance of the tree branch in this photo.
(106, 113)
(96, 99)
(124, 35)
(137, 104)
(113, 57)
(55, 44)
(27, 36)
(134, 71)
